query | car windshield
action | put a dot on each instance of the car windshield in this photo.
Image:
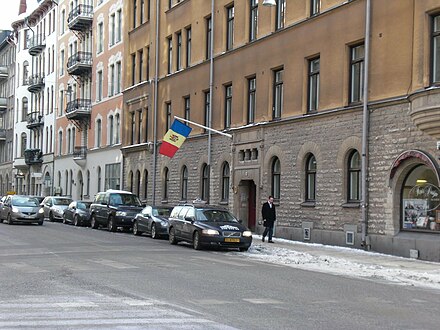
(161, 212)
(61, 201)
(124, 199)
(24, 201)
(83, 205)
(215, 216)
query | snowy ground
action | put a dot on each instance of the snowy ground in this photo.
(347, 262)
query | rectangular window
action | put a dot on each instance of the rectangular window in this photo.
(206, 119)
(252, 85)
(280, 17)
(119, 26)
(118, 77)
(313, 89)
(62, 62)
(112, 29)
(99, 90)
(112, 176)
(278, 92)
(435, 75)
(146, 125)
(139, 129)
(112, 80)
(100, 37)
(148, 64)
(230, 28)
(141, 64)
(187, 110)
(188, 47)
(179, 51)
(134, 13)
(357, 73)
(315, 7)
(253, 24)
(170, 54)
(133, 69)
(208, 37)
(63, 22)
(168, 116)
(133, 128)
(228, 106)
(141, 19)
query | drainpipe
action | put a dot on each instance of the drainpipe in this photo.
(211, 90)
(156, 75)
(365, 128)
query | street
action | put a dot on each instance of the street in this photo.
(58, 276)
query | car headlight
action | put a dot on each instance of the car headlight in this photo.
(121, 213)
(164, 223)
(41, 210)
(247, 233)
(58, 210)
(210, 232)
(15, 210)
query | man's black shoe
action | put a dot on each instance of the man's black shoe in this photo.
(262, 239)
(270, 241)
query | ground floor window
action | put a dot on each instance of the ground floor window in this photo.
(113, 176)
(421, 200)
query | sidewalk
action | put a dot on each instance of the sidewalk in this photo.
(347, 262)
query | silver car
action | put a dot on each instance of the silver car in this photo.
(19, 208)
(53, 207)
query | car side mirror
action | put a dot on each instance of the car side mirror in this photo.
(240, 221)
(190, 219)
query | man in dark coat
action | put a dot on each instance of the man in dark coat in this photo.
(269, 217)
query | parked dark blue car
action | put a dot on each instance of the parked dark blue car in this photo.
(153, 220)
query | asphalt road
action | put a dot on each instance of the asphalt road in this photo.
(58, 276)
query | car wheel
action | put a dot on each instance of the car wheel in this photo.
(111, 224)
(136, 230)
(93, 222)
(10, 222)
(244, 249)
(172, 236)
(76, 221)
(64, 219)
(196, 241)
(154, 234)
(40, 223)
(51, 217)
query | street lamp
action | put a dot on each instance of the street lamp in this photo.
(269, 3)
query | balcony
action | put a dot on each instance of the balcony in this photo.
(3, 72)
(34, 120)
(80, 64)
(80, 155)
(36, 44)
(33, 156)
(3, 104)
(35, 83)
(80, 18)
(2, 134)
(79, 109)
(425, 111)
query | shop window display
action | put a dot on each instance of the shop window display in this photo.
(421, 201)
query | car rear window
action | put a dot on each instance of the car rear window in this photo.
(62, 201)
(162, 211)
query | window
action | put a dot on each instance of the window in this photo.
(117, 128)
(112, 29)
(251, 100)
(276, 178)
(62, 62)
(111, 130)
(230, 28)
(133, 128)
(166, 182)
(148, 64)
(278, 94)
(130, 180)
(112, 176)
(188, 47)
(138, 182)
(100, 38)
(313, 97)
(225, 182)
(357, 73)
(63, 20)
(208, 37)
(179, 51)
(354, 177)
(134, 13)
(280, 17)
(228, 106)
(111, 91)
(435, 75)
(23, 144)
(60, 143)
(88, 183)
(315, 7)
(99, 87)
(145, 184)
(24, 108)
(119, 26)
(139, 129)
(146, 125)
(168, 116)
(187, 105)
(118, 78)
(310, 178)
(98, 133)
(133, 69)
(253, 24)
(170, 54)
(207, 122)
(205, 183)
(99, 178)
(184, 184)
(141, 64)
(141, 19)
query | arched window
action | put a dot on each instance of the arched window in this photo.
(225, 182)
(354, 173)
(99, 178)
(60, 143)
(23, 144)
(117, 128)
(138, 182)
(130, 180)
(184, 184)
(166, 182)
(98, 132)
(205, 183)
(24, 108)
(276, 178)
(145, 184)
(111, 132)
(310, 178)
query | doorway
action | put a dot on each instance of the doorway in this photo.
(247, 205)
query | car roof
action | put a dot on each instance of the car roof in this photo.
(119, 191)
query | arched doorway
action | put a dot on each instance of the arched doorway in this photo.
(80, 186)
(247, 203)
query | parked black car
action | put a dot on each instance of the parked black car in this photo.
(113, 209)
(77, 213)
(152, 220)
(20, 208)
(207, 226)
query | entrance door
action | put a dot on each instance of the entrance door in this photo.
(248, 203)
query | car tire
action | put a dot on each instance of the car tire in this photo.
(76, 221)
(154, 234)
(136, 230)
(40, 223)
(51, 217)
(64, 219)
(172, 236)
(9, 220)
(244, 249)
(111, 224)
(196, 241)
(93, 222)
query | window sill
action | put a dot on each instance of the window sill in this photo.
(164, 201)
(351, 205)
(223, 203)
(308, 204)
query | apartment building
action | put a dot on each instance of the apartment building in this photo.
(87, 156)
(35, 94)
(7, 88)
(332, 107)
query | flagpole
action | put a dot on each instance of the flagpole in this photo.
(204, 127)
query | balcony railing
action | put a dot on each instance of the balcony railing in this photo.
(33, 156)
(36, 44)
(78, 109)
(34, 120)
(80, 18)
(3, 72)
(80, 152)
(80, 63)
(35, 83)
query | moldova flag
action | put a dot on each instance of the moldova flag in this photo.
(174, 138)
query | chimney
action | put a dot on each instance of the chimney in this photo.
(23, 7)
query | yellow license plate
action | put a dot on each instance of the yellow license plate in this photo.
(232, 240)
